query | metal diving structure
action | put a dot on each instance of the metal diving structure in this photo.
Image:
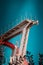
(18, 54)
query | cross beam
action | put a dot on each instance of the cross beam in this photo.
(16, 30)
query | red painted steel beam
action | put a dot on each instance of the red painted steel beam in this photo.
(8, 44)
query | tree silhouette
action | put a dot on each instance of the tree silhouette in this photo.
(29, 57)
(2, 58)
(40, 59)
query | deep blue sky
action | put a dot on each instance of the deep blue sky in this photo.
(12, 12)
